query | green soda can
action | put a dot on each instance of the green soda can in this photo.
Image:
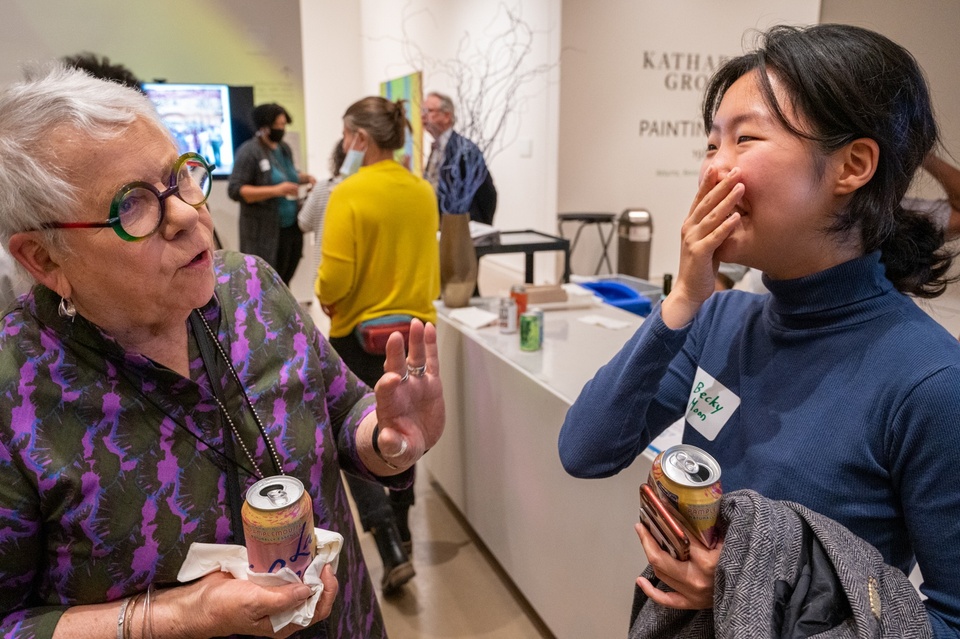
(531, 330)
(539, 313)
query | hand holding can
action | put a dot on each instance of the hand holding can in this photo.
(687, 480)
(278, 525)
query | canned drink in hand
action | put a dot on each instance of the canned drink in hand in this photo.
(278, 525)
(687, 480)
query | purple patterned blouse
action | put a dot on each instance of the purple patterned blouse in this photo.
(111, 465)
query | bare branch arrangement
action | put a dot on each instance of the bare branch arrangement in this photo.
(486, 81)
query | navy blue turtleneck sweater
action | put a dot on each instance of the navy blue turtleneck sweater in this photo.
(835, 391)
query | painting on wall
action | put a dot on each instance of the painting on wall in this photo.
(410, 89)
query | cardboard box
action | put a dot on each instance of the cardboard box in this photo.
(544, 294)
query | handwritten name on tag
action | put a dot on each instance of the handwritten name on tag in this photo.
(710, 406)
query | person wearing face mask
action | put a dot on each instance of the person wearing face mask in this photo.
(267, 185)
(380, 262)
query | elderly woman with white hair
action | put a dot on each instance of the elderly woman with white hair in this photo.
(146, 381)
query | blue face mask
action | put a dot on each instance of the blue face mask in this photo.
(353, 161)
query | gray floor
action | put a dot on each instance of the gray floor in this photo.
(458, 591)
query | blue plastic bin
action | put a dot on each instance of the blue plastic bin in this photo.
(621, 296)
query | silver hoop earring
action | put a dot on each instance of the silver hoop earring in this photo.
(66, 308)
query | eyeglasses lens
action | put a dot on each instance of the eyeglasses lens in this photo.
(139, 208)
(139, 211)
(193, 178)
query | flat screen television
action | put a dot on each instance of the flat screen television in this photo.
(209, 119)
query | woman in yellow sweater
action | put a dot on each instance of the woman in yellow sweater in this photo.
(380, 259)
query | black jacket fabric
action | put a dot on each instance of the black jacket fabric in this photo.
(790, 573)
(484, 203)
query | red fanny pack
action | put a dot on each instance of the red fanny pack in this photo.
(373, 334)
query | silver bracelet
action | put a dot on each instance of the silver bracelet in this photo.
(122, 617)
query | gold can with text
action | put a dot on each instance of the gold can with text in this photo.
(278, 525)
(687, 480)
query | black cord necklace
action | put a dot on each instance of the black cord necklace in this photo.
(223, 409)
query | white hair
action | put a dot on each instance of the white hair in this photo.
(446, 105)
(35, 186)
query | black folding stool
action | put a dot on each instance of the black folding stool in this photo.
(598, 220)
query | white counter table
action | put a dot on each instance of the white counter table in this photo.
(568, 544)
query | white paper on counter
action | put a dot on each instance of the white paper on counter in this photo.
(203, 559)
(474, 317)
(605, 322)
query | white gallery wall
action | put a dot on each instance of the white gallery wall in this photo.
(332, 54)
(397, 36)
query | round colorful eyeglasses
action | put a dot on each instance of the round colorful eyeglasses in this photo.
(138, 207)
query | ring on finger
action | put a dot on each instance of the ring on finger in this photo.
(406, 374)
(416, 371)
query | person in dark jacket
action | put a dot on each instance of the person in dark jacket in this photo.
(449, 146)
(267, 185)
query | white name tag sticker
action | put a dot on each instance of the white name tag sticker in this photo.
(264, 165)
(710, 406)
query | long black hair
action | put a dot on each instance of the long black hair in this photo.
(846, 83)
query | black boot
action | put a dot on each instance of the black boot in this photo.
(397, 569)
(403, 527)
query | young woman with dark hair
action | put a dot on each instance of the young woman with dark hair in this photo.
(837, 391)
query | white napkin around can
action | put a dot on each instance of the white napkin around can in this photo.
(204, 559)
